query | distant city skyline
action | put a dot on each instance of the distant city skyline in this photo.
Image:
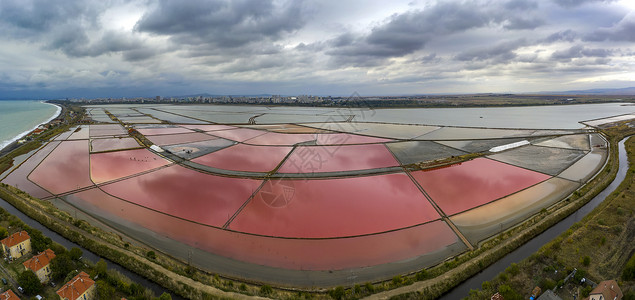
(137, 48)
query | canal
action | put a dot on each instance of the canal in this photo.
(157, 289)
(462, 290)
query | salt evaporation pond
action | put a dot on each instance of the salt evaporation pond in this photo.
(305, 192)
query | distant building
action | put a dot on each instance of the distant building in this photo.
(40, 265)
(606, 290)
(80, 287)
(16, 245)
(9, 295)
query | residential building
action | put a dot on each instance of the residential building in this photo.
(9, 295)
(40, 265)
(16, 245)
(606, 290)
(80, 287)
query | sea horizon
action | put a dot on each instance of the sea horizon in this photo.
(19, 117)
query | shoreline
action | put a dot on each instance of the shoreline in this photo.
(11, 143)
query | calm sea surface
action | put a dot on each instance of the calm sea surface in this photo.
(19, 117)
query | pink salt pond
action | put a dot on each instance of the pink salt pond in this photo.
(243, 157)
(109, 166)
(469, 184)
(334, 207)
(187, 194)
(65, 169)
(18, 177)
(296, 254)
(314, 159)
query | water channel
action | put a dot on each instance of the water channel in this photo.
(157, 289)
(462, 290)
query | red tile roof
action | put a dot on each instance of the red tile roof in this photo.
(39, 261)
(15, 239)
(608, 289)
(8, 295)
(76, 286)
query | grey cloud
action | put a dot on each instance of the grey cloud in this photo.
(578, 51)
(523, 5)
(430, 58)
(622, 31)
(139, 54)
(576, 3)
(501, 53)
(406, 33)
(64, 26)
(75, 43)
(38, 16)
(524, 23)
(222, 23)
(566, 35)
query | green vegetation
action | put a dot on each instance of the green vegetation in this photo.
(629, 270)
(29, 282)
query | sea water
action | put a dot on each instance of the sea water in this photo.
(19, 117)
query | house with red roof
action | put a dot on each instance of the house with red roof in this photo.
(40, 265)
(16, 245)
(80, 287)
(9, 295)
(606, 290)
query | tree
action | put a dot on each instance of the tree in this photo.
(39, 242)
(586, 260)
(508, 292)
(58, 249)
(75, 253)
(337, 293)
(29, 282)
(104, 290)
(101, 267)
(3, 232)
(61, 265)
(165, 296)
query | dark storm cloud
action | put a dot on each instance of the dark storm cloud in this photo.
(409, 32)
(578, 51)
(222, 23)
(38, 16)
(624, 31)
(65, 26)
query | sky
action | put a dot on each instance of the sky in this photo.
(119, 48)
